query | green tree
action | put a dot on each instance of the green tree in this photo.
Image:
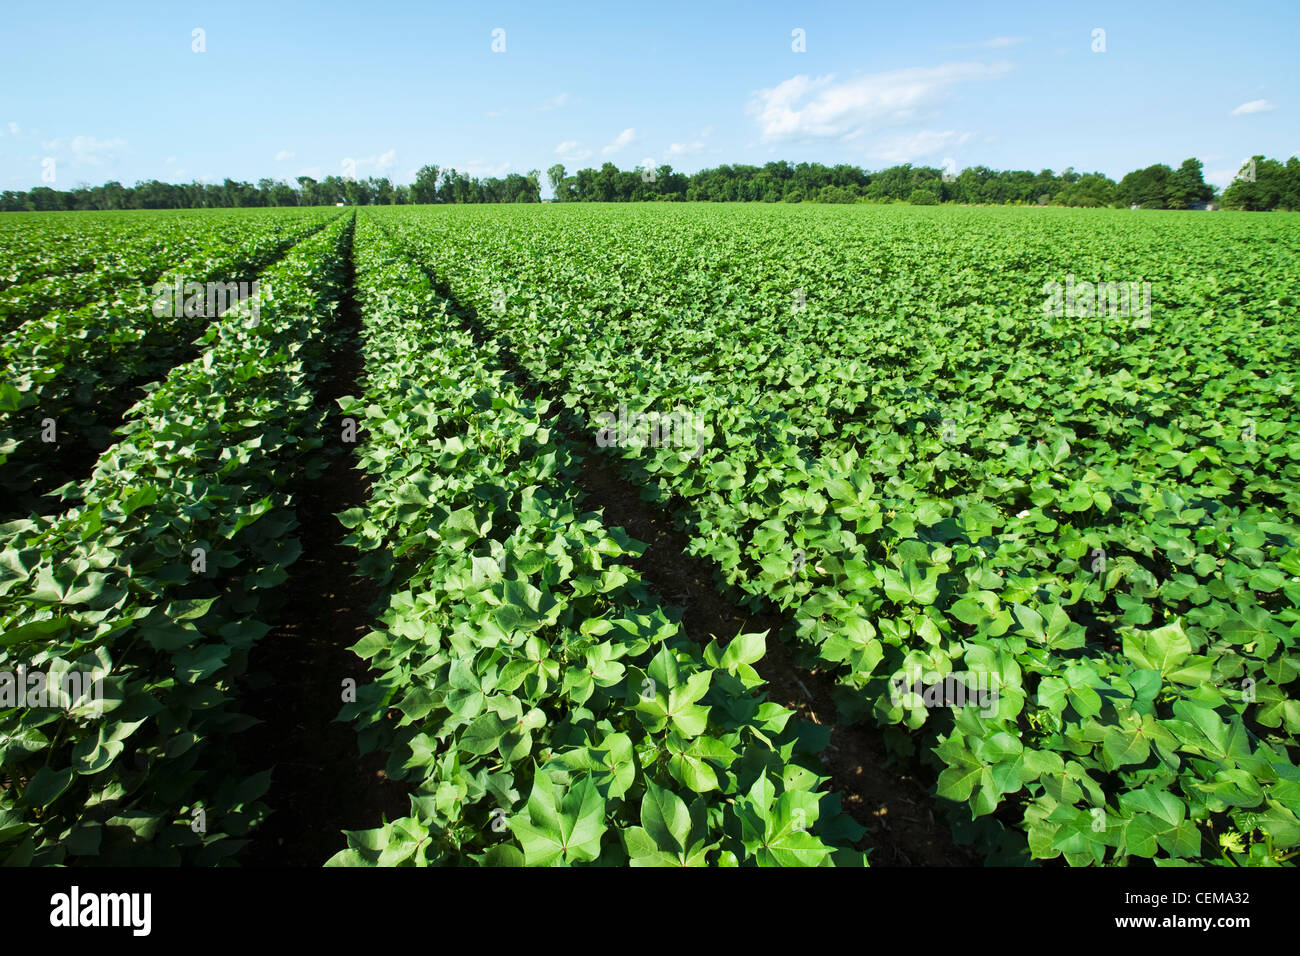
(308, 187)
(1090, 190)
(1148, 188)
(383, 191)
(425, 188)
(282, 194)
(1263, 185)
(1187, 185)
(555, 176)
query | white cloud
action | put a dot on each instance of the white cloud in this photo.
(1220, 177)
(804, 107)
(1001, 42)
(696, 145)
(905, 149)
(480, 169)
(555, 102)
(496, 113)
(86, 150)
(282, 155)
(571, 151)
(13, 129)
(1254, 106)
(685, 149)
(621, 141)
(371, 165)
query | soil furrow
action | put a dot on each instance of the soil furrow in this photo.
(320, 784)
(893, 799)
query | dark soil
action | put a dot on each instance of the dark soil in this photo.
(890, 800)
(43, 468)
(320, 785)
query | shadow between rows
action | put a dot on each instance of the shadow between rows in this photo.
(891, 798)
(320, 785)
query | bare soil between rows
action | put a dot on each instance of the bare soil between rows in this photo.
(320, 784)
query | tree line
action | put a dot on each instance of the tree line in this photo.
(433, 184)
(1262, 184)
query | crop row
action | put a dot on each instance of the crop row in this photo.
(66, 372)
(135, 260)
(1093, 516)
(547, 708)
(153, 590)
(45, 245)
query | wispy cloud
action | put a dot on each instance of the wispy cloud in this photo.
(621, 141)
(282, 155)
(1254, 106)
(13, 129)
(571, 151)
(804, 107)
(555, 102)
(998, 43)
(86, 150)
(904, 149)
(480, 168)
(685, 149)
(376, 165)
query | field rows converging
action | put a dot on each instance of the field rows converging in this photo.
(71, 374)
(1085, 521)
(153, 590)
(122, 261)
(560, 715)
(666, 535)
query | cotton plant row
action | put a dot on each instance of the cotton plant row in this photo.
(63, 368)
(947, 485)
(130, 255)
(547, 710)
(154, 589)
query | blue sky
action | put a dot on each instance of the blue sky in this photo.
(116, 91)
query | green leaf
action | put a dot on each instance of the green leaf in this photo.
(665, 817)
(560, 826)
(47, 786)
